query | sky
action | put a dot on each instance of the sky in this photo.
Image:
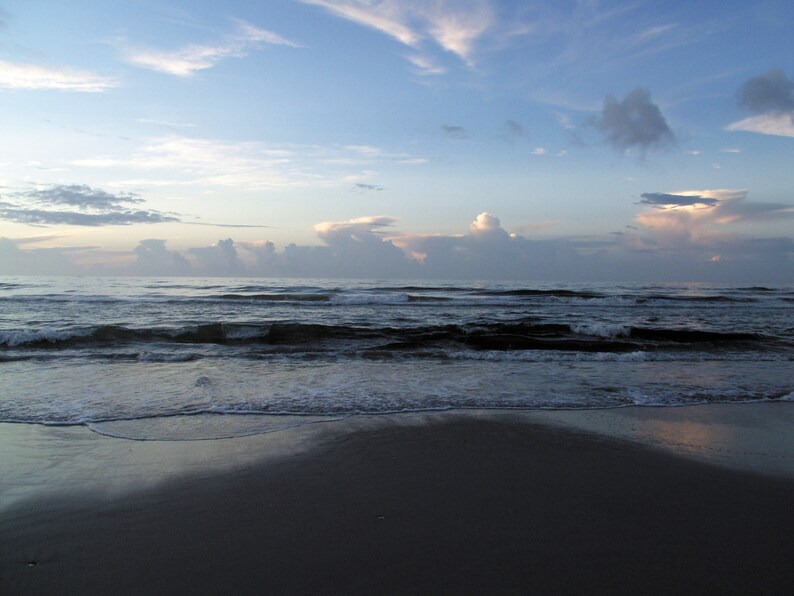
(480, 139)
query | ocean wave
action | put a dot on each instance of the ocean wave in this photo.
(512, 335)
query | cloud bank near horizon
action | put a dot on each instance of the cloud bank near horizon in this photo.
(679, 236)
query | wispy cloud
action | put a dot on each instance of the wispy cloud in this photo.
(178, 161)
(34, 77)
(425, 65)
(780, 125)
(188, 60)
(454, 26)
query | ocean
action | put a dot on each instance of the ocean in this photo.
(190, 358)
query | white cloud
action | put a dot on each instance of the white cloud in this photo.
(31, 76)
(425, 65)
(775, 124)
(187, 61)
(454, 26)
(178, 160)
(699, 217)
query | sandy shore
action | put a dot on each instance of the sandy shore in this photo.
(446, 504)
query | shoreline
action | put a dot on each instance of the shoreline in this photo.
(454, 503)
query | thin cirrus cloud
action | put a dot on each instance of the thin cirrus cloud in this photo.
(188, 60)
(455, 27)
(770, 97)
(176, 160)
(35, 77)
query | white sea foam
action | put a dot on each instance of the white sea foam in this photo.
(18, 338)
(601, 330)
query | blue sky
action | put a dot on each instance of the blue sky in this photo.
(399, 138)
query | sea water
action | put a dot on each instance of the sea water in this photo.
(188, 358)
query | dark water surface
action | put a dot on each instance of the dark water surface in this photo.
(163, 358)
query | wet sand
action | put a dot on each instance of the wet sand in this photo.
(446, 504)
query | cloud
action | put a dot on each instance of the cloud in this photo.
(82, 196)
(634, 123)
(77, 205)
(665, 200)
(153, 258)
(359, 230)
(514, 130)
(187, 61)
(34, 77)
(38, 261)
(770, 92)
(360, 186)
(218, 259)
(675, 242)
(771, 97)
(781, 125)
(184, 161)
(454, 132)
(425, 65)
(454, 26)
(700, 217)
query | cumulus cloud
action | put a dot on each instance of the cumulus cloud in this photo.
(359, 230)
(153, 258)
(454, 26)
(219, 259)
(634, 123)
(701, 216)
(34, 77)
(77, 205)
(188, 60)
(679, 237)
(771, 98)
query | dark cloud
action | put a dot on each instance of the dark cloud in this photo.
(43, 217)
(664, 199)
(634, 123)
(78, 205)
(360, 186)
(770, 92)
(454, 132)
(81, 196)
(514, 130)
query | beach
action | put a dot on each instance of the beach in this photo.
(450, 503)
